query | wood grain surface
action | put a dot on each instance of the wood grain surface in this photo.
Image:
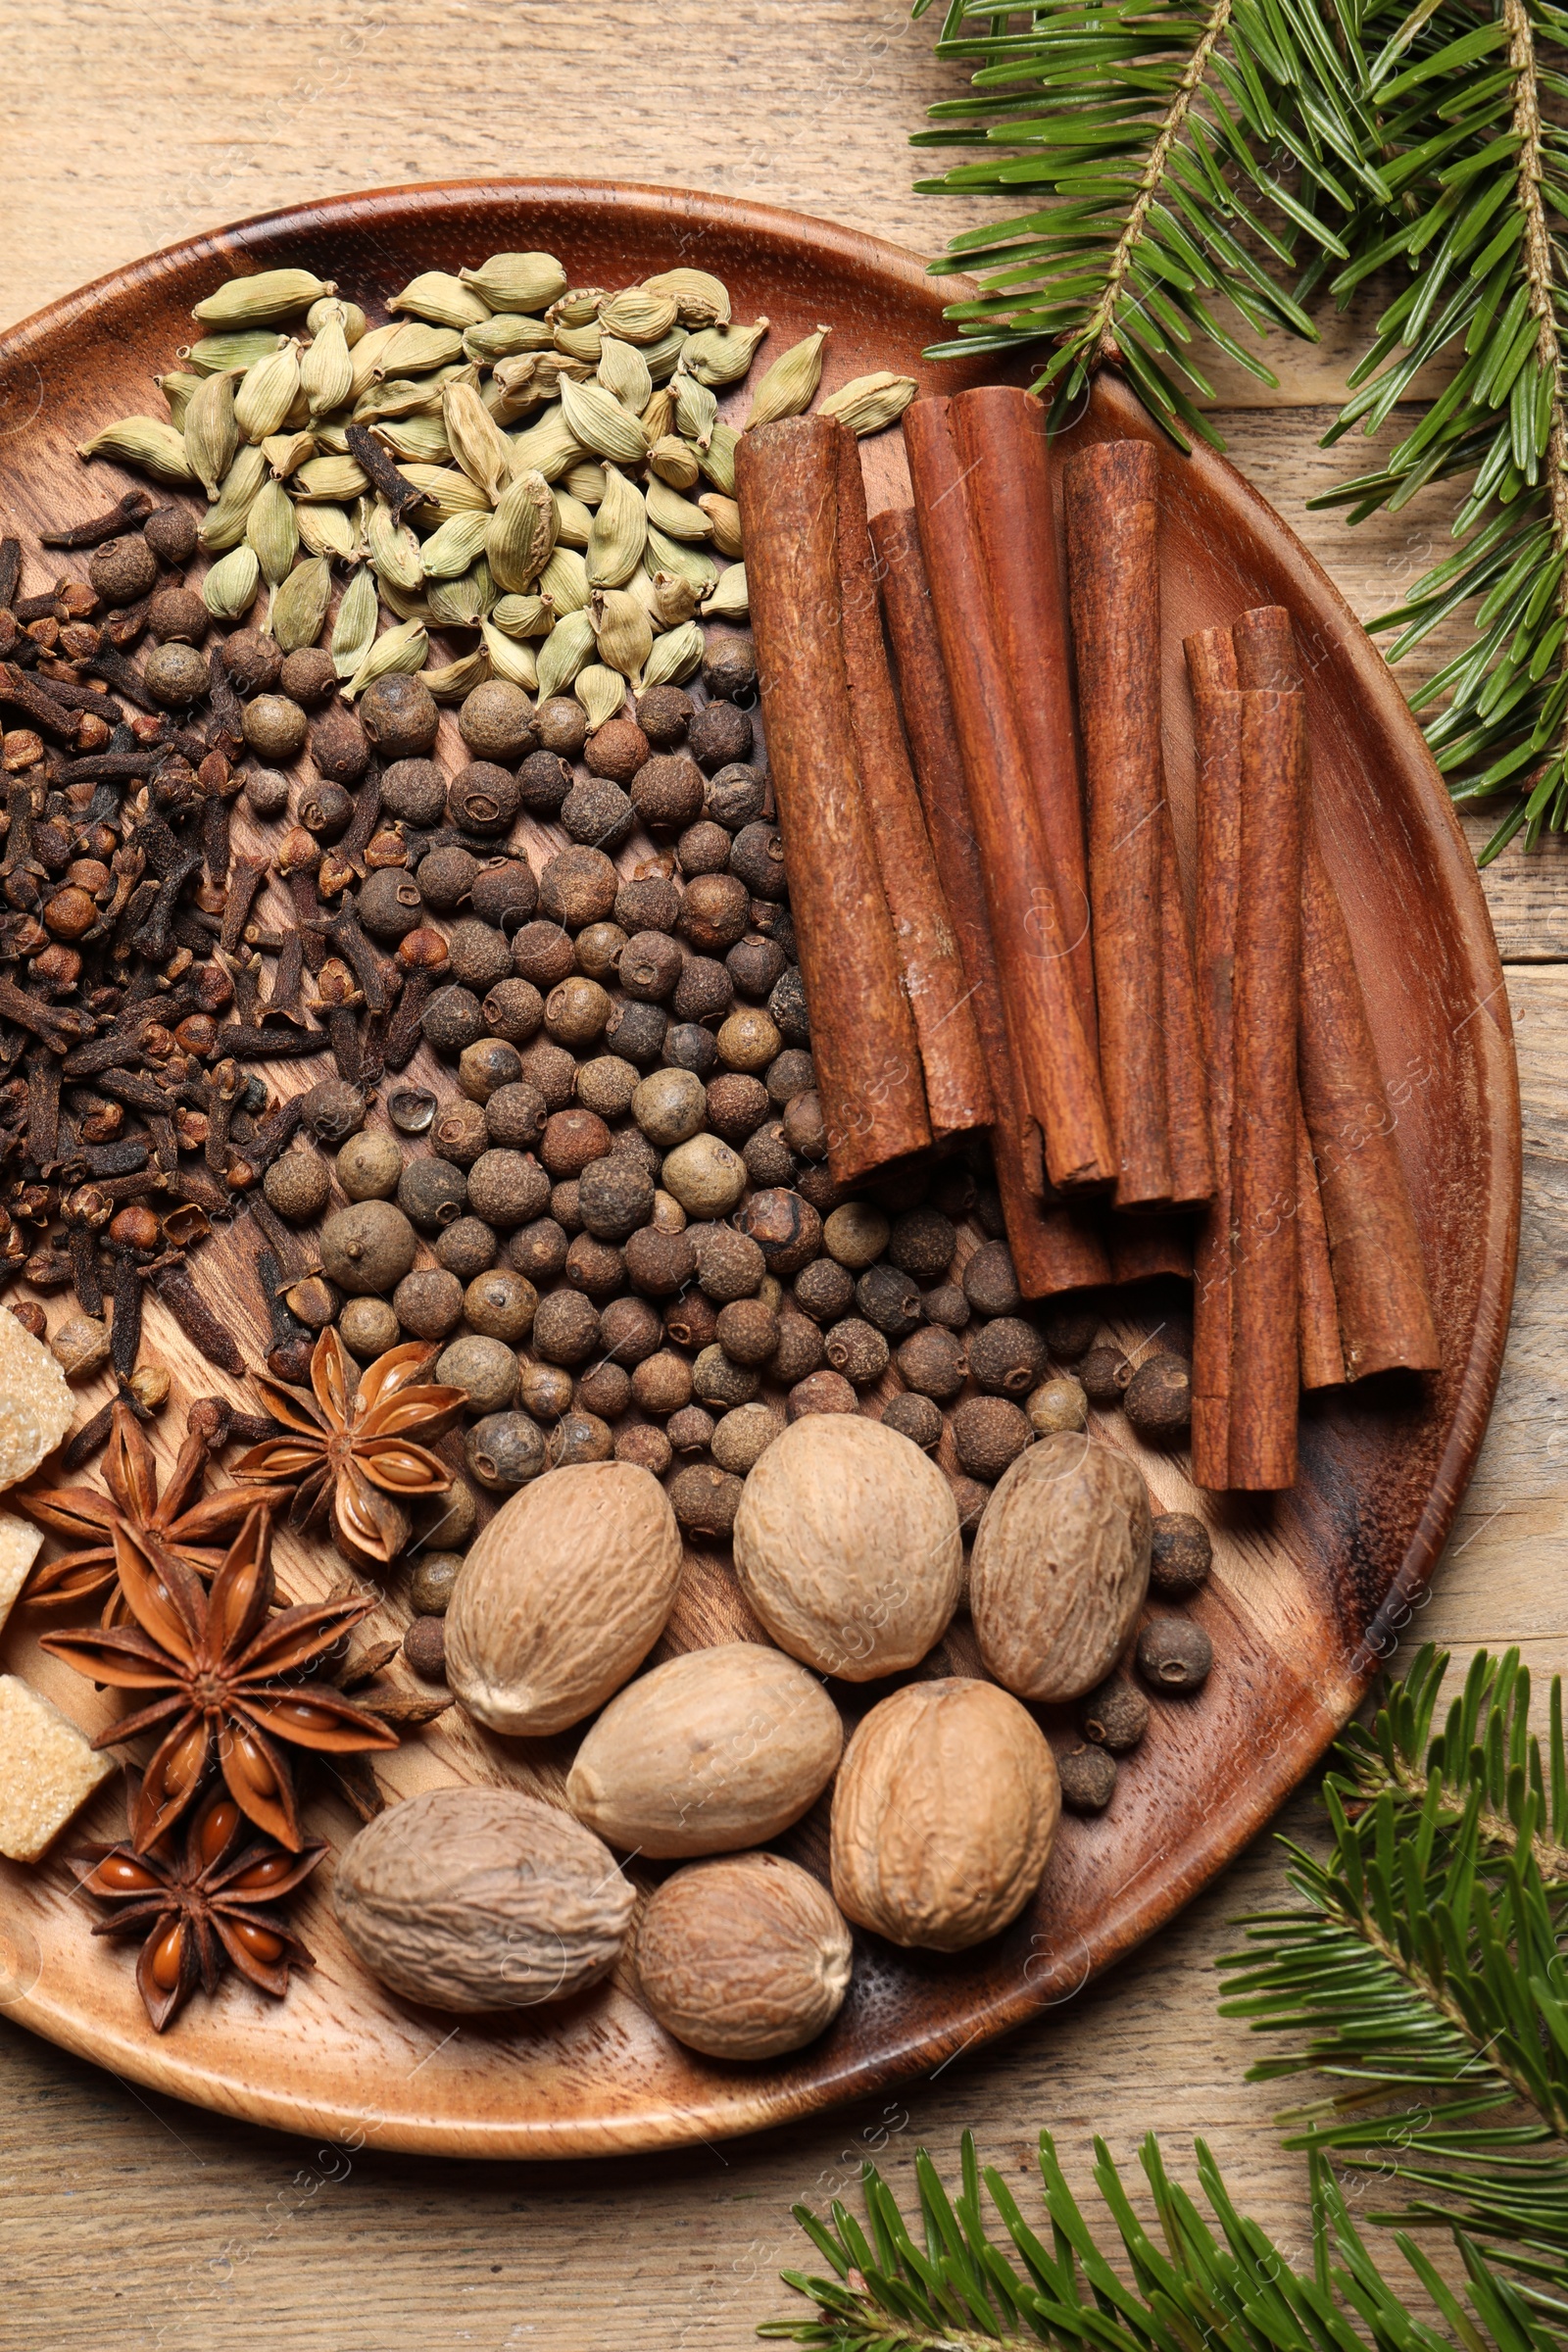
(134, 2221)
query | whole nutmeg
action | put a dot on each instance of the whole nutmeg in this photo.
(1057, 1405)
(368, 1248)
(914, 1858)
(123, 570)
(1115, 1716)
(705, 1501)
(1088, 1777)
(846, 1546)
(400, 716)
(179, 615)
(176, 675)
(297, 1187)
(480, 1898)
(524, 1652)
(1174, 1655)
(367, 1327)
(496, 723)
(369, 1166)
(990, 1433)
(274, 727)
(1060, 1568)
(416, 790)
(308, 675)
(1182, 1554)
(743, 1959)
(504, 1452)
(1158, 1402)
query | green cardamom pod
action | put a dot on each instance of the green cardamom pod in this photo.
(332, 438)
(211, 436)
(410, 394)
(509, 660)
(286, 452)
(659, 418)
(622, 629)
(177, 389)
(723, 354)
(871, 403)
(265, 300)
(676, 516)
(461, 604)
(663, 357)
(416, 440)
(144, 441)
(729, 599)
(332, 479)
(672, 461)
(453, 546)
(224, 526)
(515, 386)
(565, 580)
(602, 692)
(448, 491)
(211, 355)
(696, 411)
(517, 281)
(267, 393)
(353, 630)
(599, 422)
(394, 549)
(367, 357)
(623, 372)
(700, 299)
(270, 528)
(415, 348)
(521, 533)
(504, 336)
(525, 615)
(457, 679)
(718, 458)
(578, 307)
(229, 589)
(638, 316)
(725, 516)
(687, 563)
(477, 441)
(568, 649)
(671, 602)
(442, 300)
(619, 532)
(584, 344)
(327, 371)
(676, 657)
(585, 480)
(549, 447)
(789, 386)
(332, 308)
(406, 605)
(327, 530)
(299, 604)
(399, 652)
(573, 520)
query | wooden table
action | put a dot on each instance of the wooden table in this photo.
(134, 2222)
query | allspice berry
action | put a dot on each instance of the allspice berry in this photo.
(505, 893)
(821, 1393)
(428, 1304)
(747, 1331)
(414, 790)
(430, 1588)
(486, 1066)
(565, 1328)
(718, 734)
(176, 674)
(703, 848)
(400, 716)
(366, 1249)
(561, 726)
(1105, 1374)
(1159, 1398)
(667, 792)
(123, 570)
(823, 1289)
(369, 1166)
(460, 1132)
(452, 1020)
(650, 966)
(577, 887)
(690, 1430)
(180, 613)
(424, 1647)
(749, 1041)
(1057, 1405)
(1114, 1716)
(989, 1282)
(1174, 1655)
(857, 1349)
(507, 1187)
(705, 1502)
(171, 533)
(890, 1300)
(367, 1328)
(990, 1433)
(737, 1105)
(297, 1187)
(603, 1389)
(538, 1249)
(631, 1329)
(856, 1234)
(479, 955)
(1182, 1556)
(757, 857)
(1006, 1356)
(756, 966)
(664, 713)
(705, 1176)
(338, 746)
(332, 1110)
(466, 1248)
(504, 1452)
(325, 808)
(800, 1350)
(513, 1009)
(485, 1368)
(579, 1438)
(718, 1382)
(615, 751)
(648, 903)
(308, 675)
(933, 1363)
(645, 1445)
(390, 905)
(736, 795)
(253, 659)
(729, 666)
(496, 723)
(499, 1305)
(742, 1436)
(1088, 1777)
(1069, 1329)
(483, 797)
(714, 912)
(545, 1390)
(576, 1013)
(514, 1115)
(614, 1196)
(922, 1243)
(431, 1192)
(913, 1417)
(543, 782)
(662, 1383)
(659, 1263)
(267, 791)
(729, 1265)
(597, 811)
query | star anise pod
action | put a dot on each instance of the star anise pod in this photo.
(359, 1452)
(195, 1527)
(216, 1661)
(198, 1899)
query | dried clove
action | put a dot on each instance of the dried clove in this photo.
(131, 511)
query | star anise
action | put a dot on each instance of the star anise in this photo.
(356, 1455)
(216, 1661)
(198, 1897)
(195, 1527)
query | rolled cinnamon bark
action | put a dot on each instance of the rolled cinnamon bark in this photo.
(1056, 1067)
(1111, 522)
(1187, 1103)
(1264, 1281)
(864, 1041)
(1054, 1249)
(1385, 1308)
(1217, 716)
(1322, 1348)
(956, 1092)
(999, 434)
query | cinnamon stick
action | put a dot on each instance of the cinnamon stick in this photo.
(1217, 726)
(999, 434)
(1051, 1057)
(863, 1040)
(1264, 1279)
(1384, 1309)
(1187, 1104)
(1054, 1249)
(1322, 1348)
(956, 1092)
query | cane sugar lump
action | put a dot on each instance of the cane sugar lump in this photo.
(35, 1405)
(18, 1548)
(48, 1770)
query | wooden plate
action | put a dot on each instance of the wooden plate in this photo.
(1306, 1592)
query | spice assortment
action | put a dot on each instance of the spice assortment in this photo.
(727, 1143)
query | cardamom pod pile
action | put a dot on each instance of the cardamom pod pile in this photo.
(510, 459)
